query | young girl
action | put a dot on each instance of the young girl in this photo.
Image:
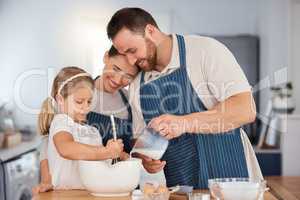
(63, 116)
(109, 97)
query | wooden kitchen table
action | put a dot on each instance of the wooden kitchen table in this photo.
(84, 195)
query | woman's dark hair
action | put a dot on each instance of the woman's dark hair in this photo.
(113, 51)
(134, 19)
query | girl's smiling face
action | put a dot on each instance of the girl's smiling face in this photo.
(117, 73)
(78, 104)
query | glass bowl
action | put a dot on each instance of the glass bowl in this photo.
(236, 188)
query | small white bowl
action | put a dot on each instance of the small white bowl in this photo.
(106, 180)
(236, 188)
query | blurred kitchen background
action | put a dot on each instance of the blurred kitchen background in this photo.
(38, 37)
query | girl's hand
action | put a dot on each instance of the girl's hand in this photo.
(124, 156)
(42, 187)
(115, 148)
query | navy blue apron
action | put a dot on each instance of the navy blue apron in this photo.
(191, 159)
(103, 124)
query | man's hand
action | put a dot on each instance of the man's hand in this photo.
(169, 126)
(152, 166)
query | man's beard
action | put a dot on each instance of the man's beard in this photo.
(151, 58)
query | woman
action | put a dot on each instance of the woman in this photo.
(110, 98)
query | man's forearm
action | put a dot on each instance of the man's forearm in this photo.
(225, 116)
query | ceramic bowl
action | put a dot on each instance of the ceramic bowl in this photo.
(101, 178)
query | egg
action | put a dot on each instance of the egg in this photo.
(148, 188)
(162, 189)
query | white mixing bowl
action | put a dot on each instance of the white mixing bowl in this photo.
(103, 179)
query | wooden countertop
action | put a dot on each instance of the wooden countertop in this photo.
(285, 187)
(84, 195)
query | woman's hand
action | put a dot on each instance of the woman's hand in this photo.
(115, 148)
(152, 166)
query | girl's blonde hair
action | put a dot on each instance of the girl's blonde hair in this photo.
(48, 111)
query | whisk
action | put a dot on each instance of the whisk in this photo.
(114, 132)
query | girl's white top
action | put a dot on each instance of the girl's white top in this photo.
(64, 172)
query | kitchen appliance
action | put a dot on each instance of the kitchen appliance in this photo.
(7, 123)
(103, 179)
(18, 176)
(280, 105)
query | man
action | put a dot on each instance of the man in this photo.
(191, 91)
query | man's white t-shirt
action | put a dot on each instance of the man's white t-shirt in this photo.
(64, 172)
(215, 75)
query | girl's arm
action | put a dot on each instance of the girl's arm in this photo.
(69, 149)
(46, 183)
(45, 172)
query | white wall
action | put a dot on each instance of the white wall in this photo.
(295, 50)
(41, 34)
(273, 30)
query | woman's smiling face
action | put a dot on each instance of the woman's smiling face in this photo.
(117, 73)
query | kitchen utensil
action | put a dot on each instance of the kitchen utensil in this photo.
(103, 179)
(236, 188)
(114, 131)
(151, 144)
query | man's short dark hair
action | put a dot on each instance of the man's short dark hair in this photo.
(134, 19)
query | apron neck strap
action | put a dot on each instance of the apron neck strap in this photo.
(126, 103)
(181, 48)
